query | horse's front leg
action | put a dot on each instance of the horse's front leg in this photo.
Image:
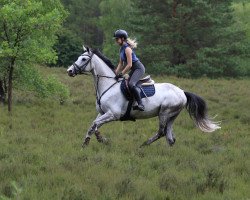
(98, 122)
(100, 138)
(90, 132)
(98, 135)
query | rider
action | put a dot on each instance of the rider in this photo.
(131, 62)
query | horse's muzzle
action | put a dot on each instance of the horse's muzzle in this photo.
(71, 73)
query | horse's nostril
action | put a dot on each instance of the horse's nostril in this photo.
(70, 72)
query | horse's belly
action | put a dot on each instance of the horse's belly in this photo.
(145, 114)
(152, 107)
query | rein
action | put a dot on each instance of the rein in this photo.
(97, 93)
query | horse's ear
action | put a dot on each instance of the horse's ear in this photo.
(84, 48)
(88, 49)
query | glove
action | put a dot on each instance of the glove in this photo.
(118, 76)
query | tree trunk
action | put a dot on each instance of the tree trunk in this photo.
(5, 85)
(10, 78)
(2, 92)
(177, 57)
(175, 4)
(175, 52)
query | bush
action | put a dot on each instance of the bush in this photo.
(30, 79)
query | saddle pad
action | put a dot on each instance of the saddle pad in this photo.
(149, 90)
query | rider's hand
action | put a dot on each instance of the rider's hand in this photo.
(120, 75)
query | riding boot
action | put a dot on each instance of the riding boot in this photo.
(136, 92)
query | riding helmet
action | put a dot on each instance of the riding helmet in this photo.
(121, 34)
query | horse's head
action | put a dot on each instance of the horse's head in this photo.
(82, 64)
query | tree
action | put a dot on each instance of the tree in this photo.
(68, 47)
(27, 34)
(115, 15)
(83, 21)
(216, 45)
(80, 27)
(190, 38)
(153, 28)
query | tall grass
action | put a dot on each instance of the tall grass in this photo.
(41, 155)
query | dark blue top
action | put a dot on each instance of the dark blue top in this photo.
(123, 54)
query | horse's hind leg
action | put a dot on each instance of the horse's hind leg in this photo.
(169, 130)
(162, 122)
(152, 139)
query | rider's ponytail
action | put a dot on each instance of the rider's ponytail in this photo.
(132, 43)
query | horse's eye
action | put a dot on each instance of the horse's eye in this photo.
(84, 59)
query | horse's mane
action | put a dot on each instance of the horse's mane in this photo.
(104, 58)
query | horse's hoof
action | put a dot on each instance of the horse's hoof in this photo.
(86, 142)
(171, 142)
(100, 138)
(105, 141)
(144, 144)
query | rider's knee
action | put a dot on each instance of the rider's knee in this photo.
(131, 85)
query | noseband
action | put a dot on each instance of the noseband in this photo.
(80, 69)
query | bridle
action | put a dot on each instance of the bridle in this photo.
(81, 69)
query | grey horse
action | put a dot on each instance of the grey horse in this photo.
(166, 103)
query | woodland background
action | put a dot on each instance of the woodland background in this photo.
(185, 38)
(202, 46)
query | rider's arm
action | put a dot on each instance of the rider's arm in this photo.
(119, 67)
(128, 52)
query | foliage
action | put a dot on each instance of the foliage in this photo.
(114, 15)
(27, 34)
(196, 38)
(242, 16)
(154, 34)
(30, 79)
(82, 21)
(68, 48)
(80, 27)
(27, 31)
(41, 148)
(184, 38)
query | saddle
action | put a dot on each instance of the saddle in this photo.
(146, 85)
(147, 90)
(146, 81)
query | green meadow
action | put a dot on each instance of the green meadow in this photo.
(41, 155)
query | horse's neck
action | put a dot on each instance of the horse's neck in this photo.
(101, 69)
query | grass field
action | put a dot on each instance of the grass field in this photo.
(41, 155)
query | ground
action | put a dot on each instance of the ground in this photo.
(41, 155)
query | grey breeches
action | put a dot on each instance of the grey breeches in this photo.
(136, 73)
